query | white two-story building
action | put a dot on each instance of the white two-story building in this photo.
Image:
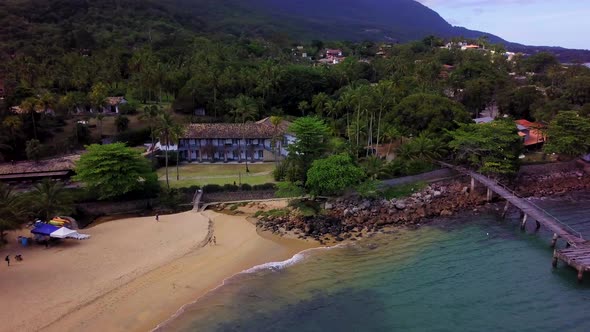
(235, 142)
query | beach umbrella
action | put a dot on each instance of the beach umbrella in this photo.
(62, 233)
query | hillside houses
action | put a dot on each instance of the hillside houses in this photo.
(332, 57)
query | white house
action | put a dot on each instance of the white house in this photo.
(230, 142)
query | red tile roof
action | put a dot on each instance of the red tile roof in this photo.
(66, 163)
(528, 124)
(259, 129)
(534, 137)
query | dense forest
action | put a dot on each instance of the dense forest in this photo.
(68, 56)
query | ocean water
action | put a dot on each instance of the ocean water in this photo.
(468, 273)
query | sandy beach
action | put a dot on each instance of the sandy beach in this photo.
(132, 274)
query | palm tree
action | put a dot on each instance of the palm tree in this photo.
(176, 134)
(374, 167)
(30, 106)
(99, 119)
(390, 134)
(46, 101)
(276, 122)
(167, 128)
(49, 198)
(244, 109)
(13, 124)
(11, 211)
(421, 148)
(151, 115)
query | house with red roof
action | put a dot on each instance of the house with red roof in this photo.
(532, 133)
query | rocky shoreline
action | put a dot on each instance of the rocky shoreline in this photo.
(351, 218)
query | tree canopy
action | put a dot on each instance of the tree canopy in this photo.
(333, 175)
(311, 143)
(568, 134)
(426, 112)
(113, 170)
(490, 148)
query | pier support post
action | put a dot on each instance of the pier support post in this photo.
(489, 195)
(523, 224)
(554, 262)
(580, 275)
(505, 209)
(472, 189)
(554, 241)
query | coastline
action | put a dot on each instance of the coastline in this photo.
(144, 296)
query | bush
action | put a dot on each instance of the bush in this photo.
(246, 187)
(230, 187)
(265, 186)
(404, 190)
(307, 208)
(289, 189)
(134, 137)
(212, 188)
(280, 172)
(130, 108)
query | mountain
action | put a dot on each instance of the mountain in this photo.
(44, 24)
(353, 20)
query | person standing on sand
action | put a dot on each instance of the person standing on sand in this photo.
(157, 217)
(7, 259)
(214, 241)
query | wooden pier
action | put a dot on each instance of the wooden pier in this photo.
(577, 251)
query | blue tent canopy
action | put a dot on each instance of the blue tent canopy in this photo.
(44, 229)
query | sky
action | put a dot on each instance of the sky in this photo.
(563, 23)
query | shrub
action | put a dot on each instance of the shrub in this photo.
(134, 137)
(246, 187)
(280, 172)
(212, 188)
(265, 186)
(289, 189)
(130, 108)
(230, 187)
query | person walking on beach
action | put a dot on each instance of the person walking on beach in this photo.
(214, 241)
(7, 259)
(157, 217)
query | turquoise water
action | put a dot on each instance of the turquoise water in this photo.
(469, 273)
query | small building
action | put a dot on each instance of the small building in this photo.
(531, 133)
(233, 142)
(26, 171)
(486, 119)
(113, 104)
(200, 111)
(332, 57)
(470, 47)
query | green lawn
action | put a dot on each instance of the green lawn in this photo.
(202, 174)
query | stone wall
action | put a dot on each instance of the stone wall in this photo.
(542, 169)
(237, 196)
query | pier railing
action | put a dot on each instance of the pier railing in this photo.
(516, 195)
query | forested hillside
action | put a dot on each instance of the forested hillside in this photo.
(68, 56)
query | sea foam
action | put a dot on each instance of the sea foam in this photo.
(272, 266)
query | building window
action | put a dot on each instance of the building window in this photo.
(260, 154)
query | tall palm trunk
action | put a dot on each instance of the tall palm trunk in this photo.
(166, 156)
(177, 164)
(34, 124)
(379, 126)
